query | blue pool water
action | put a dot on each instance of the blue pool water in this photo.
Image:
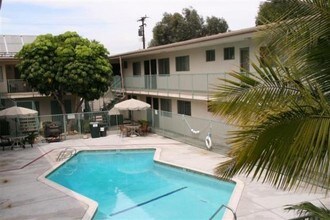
(130, 185)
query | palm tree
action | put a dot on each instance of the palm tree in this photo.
(282, 110)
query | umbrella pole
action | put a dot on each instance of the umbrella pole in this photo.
(16, 126)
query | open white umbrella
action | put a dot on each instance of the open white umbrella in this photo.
(113, 111)
(16, 111)
(132, 104)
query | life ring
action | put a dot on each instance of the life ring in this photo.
(208, 142)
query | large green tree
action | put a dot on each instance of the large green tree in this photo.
(282, 109)
(188, 25)
(215, 25)
(276, 10)
(66, 64)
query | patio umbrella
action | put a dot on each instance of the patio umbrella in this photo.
(132, 104)
(115, 112)
(15, 111)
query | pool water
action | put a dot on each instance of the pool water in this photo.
(130, 185)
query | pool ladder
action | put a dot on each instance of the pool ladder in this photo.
(224, 206)
(66, 153)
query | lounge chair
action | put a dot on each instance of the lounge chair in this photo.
(5, 142)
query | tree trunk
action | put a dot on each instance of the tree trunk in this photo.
(59, 98)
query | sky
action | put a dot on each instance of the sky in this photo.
(114, 23)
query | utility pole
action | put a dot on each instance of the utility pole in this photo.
(141, 30)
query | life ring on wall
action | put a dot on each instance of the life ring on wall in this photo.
(208, 142)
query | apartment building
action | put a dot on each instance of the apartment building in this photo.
(181, 77)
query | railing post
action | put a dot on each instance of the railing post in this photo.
(167, 84)
(64, 125)
(192, 86)
(207, 86)
(79, 124)
(179, 86)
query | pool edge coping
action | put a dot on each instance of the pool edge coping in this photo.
(93, 205)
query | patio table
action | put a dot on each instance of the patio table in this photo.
(133, 129)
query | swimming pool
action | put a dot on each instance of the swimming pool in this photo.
(130, 185)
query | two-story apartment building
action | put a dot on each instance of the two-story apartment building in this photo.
(175, 79)
(181, 77)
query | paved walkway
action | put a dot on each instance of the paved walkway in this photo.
(22, 196)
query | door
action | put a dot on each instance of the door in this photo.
(245, 59)
(147, 80)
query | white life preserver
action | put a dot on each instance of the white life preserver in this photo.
(208, 142)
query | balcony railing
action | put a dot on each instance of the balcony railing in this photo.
(18, 85)
(194, 85)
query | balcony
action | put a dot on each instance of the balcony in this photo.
(190, 86)
(18, 86)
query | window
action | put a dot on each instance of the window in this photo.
(210, 55)
(132, 97)
(1, 74)
(125, 65)
(165, 107)
(164, 66)
(136, 68)
(229, 53)
(184, 107)
(182, 63)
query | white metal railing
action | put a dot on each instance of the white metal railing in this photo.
(181, 84)
(18, 85)
(224, 206)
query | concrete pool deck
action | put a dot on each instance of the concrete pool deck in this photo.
(23, 196)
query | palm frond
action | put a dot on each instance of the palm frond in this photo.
(251, 97)
(287, 150)
(310, 210)
(304, 42)
(282, 111)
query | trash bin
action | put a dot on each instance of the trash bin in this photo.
(103, 131)
(95, 129)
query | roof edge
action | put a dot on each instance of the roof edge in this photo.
(192, 41)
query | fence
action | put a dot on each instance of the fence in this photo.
(195, 131)
(183, 128)
(191, 130)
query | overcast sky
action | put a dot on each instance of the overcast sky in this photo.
(113, 22)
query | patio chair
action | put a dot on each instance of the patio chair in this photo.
(30, 139)
(143, 129)
(123, 131)
(5, 142)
